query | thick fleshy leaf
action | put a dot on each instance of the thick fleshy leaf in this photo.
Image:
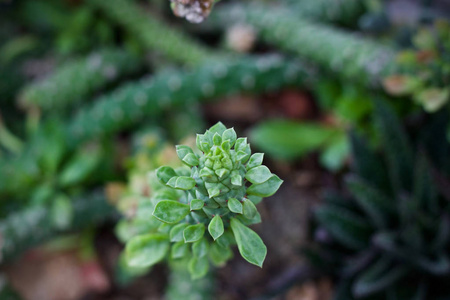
(249, 243)
(197, 204)
(183, 151)
(193, 233)
(235, 205)
(176, 233)
(267, 188)
(179, 250)
(236, 179)
(218, 128)
(198, 267)
(258, 174)
(229, 135)
(215, 227)
(200, 248)
(146, 250)
(255, 160)
(240, 144)
(181, 182)
(249, 209)
(191, 160)
(165, 173)
(171, 212)
(217, 139)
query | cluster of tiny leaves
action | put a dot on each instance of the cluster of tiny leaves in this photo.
(200, 212)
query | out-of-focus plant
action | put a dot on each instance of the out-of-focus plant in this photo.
(79, 79)
(424, 71)
(195, 11)
(45, 172)
(290, 140)
(388, 238)
(217, 193)
(134, 102)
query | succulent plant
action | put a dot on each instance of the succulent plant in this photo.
(80, 78)
(197, 213)
(388, 237)
(134, 102)
(353, 58)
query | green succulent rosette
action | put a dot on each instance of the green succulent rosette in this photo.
(196, 214)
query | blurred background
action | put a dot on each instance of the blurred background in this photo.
(348, 99)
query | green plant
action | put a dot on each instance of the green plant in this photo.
(301, 138)
(134, 102)
(33, 225)
(154, 34)
(353, 58)
(388, 237)
(79, 79)
(200, 211)
(424, 72)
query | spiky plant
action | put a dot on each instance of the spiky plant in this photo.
(388, 238)
(79, 79)
(351, 57)
(195, 214)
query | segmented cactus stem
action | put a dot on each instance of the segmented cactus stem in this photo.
(350, 56)
(79, 79)
(134, 102)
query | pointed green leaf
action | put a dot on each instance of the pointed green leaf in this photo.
(258, 174)
(164, 174)
(215, 227)
(240, 145)
(255, 160)
(236, 179)
(222, 173)
(171, 212)
(183, 151)
(267, 188)
(249, 209)
(191, 160)
(249, 243)
(179, 250)
(200, 248)
(197, 204)
(235, 205)
(146, 250)
(193, 233)
(198, 267)
(176, 233)
(181, 182)
(229, 135)
(217, 139)
(219, 128)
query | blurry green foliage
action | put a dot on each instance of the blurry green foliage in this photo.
(388, 237)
